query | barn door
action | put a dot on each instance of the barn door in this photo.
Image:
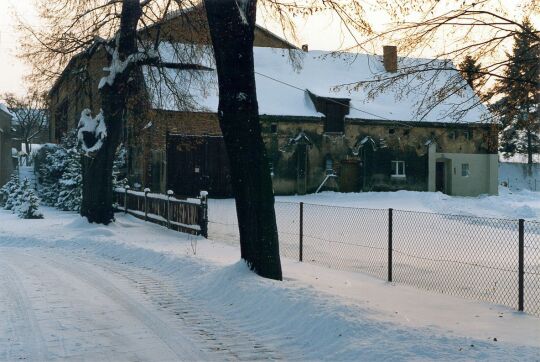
(196, 163)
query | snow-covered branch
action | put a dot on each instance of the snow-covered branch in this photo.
(91, 132)
(118, 65)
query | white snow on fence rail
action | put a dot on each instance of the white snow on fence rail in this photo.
(156, 196)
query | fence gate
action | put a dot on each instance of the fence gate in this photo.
(197, 162)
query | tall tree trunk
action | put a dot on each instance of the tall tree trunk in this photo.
(97, 190)
(232, 25)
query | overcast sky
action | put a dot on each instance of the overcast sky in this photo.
(320, 32)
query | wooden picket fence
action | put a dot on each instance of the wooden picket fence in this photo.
(190, 216)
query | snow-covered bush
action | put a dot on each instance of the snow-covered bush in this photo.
(60, 175)
(59, 172)
(10, 191)
(28, 202)
(21, 198)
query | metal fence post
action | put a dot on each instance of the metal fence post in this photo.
(126, 189)
(390, 222)
(301, 246)
(146, 191)
(521, 265)
(169, 194)
(203, 214)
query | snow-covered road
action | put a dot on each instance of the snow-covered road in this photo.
(56, 308)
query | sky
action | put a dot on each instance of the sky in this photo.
(12, 69)
(319, 31)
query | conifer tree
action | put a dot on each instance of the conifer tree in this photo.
(70, 183)
(9, 190)
(28, 202)
(119, 163)
(518, 107)
(470, 71)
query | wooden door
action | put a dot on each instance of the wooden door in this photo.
(196, 163)
(349, 177)
(440, 176)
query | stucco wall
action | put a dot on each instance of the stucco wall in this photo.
(482, 178)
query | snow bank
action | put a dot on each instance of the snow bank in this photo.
(507, 205)
(517, 176)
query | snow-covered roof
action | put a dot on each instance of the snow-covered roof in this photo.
(5, 109)
(283, 85)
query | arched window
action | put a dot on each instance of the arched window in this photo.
(329, 165)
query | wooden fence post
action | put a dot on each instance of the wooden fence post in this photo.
(126, 189)
(146, 191)
(203, 213)
(169, 194)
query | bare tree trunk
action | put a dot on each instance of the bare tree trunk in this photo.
(232, 25)
(27, 146)
(529, 148)
(97, 190)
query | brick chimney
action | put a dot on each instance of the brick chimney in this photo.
(390, 58)
(305, 47)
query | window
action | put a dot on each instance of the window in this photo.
(273, 128)
(329, 163)
(391, 131)
(452, 135)
(465, 170)
(398, 169)
(335, 117)
(467, 134)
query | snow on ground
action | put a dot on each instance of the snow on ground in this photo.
(519, 176)
(134, 290)
(433, 249)
(507, 205)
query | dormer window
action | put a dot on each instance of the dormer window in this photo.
(334, 110)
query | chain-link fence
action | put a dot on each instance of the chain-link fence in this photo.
(494, 260)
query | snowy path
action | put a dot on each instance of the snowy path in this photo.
(58, 309)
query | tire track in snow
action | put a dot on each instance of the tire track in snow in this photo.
(172, 337)
(28, 342)
(220, 336)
